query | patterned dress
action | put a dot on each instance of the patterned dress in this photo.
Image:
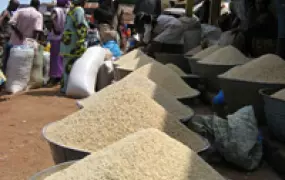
(73, 40)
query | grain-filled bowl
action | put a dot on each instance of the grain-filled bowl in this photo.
(242, 93)
(49, 171)
(61, 153)
(177, 59)
(275, 112)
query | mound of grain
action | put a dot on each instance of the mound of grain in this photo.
(149, 88)
(266, 69)
(129, 56)
(206, 52)
(146, 155)
(176, 69)
(279, 95)
(167, 79)
(133, 64)
(225, 56)
(114, 117)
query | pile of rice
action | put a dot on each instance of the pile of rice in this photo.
(133, 64)
(206, 52)
(279, 95)
(265, 69)
(129, 56)
(146, 155)
(114, 117)
(149, 88)
(176, 69)
(167, 79)
(225, 56)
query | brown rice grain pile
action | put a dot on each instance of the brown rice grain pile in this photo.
(206, 52)
(149, 88)
(146, 155)
(279, 95)
(167, 79)
(265, 69)
(114, 117)
(136, 63)
(225, 56)
(176, 69)
(129, 56)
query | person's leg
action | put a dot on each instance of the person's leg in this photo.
(281, 28)
(6, 55)
(56, 63)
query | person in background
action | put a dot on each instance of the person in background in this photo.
(58, 17)
(281, 28)
(5, 29)
(145, 8)
(73, 40)
(25, 23)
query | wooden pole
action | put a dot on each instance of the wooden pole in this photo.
(215, 11)
(189, 8)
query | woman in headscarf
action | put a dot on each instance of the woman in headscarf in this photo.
(73, 40)
(56, 62)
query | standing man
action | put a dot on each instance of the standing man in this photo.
(4, 25)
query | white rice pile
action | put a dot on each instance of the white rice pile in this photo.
(279, 95)
(114, 117)
(167, 79)
(176, 69)
(136, 63)
(265, 69)
(225, 56)
(149, 88)
(206, 52)
(129, 56)
(146, 155)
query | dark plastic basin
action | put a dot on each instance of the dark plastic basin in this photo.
(54, 169)
(177, 59)
(275, 113)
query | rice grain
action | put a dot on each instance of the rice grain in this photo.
(167, 79)
(279, 95)
(206, 52)
(114, 117)
(133, 64)
(129, 56)
(176, 69)
(146, 155)
(225, 56)
(149, 88)
(265, 69)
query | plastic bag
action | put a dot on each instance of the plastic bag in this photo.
(83, 75)
(46, 68)
(211, 33)
(19, 68)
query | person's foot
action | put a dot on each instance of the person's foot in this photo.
(53, 82)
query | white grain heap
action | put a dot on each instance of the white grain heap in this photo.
(176, 69)
(279, 95)
(129, 56)
(114, 117)
(167, 79)
(133, 64)
(149, 88)
(206, 52)
(146, 155)
(265, 69)
(225, 56)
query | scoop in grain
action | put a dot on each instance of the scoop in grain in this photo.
(149, 88)
(167, 79)
(146, 155)
(176, 69)
(225, 56)
(265, 69)
(114, 117)
(279, 95)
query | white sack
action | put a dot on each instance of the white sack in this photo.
(46, 67)
(19, 68)
(105, 75)
(83, 75)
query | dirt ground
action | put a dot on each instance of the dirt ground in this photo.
(23, 150)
